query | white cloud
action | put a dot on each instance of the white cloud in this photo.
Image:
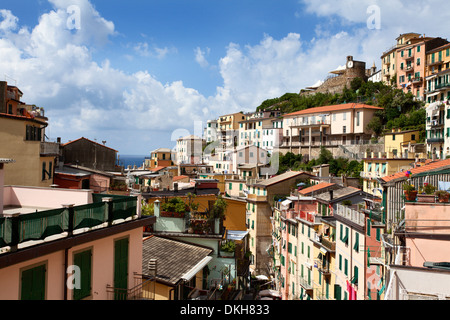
(55, 68)
(200, 56)
(8, 21)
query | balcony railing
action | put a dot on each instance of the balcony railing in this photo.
(49, 148)
(20, 228)
(305, 283)
(143, 290)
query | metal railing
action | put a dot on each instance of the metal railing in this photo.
(143, 290)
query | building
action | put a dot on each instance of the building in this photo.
(189, 150)
(76, 177)
(389, 57)
(419, 269)
(230, 161)
(433, 172)
(172, 283)
(61, 244)
(340, 78)
(89, 154)
(401, 151)
(201, 222)
(412, 64)
(437, 74)
(211, 132)
(251, 130)
(262, 194)
(22, 138)
(162, 157)
(333, 127)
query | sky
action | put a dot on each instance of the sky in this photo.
(140, 74)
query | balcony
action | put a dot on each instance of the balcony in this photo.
(435, 140)
(49, 149)
(18, 229)
(417, 80)
(443, 85)
(305, 283)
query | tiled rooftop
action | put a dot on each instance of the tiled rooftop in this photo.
(174, 258)
(339, 107)
(428, 166)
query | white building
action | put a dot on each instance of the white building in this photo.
(189, 150)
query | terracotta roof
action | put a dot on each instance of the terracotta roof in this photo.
(179, 178)
(316, 187)
(338, 107)
(428, 166)
(156, 169)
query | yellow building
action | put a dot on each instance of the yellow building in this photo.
(22, 131)
(262, 193)
(400, 151)
(161, 157)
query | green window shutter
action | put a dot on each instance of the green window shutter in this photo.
(368, 227)
(356, 246)
(378, 236)
(33, 283)
(341, 232)
(240, 187)
(84, 261)
(340, 262)
(121, 266)
(337, 292)
(230, 186)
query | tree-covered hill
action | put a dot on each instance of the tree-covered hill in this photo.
(400, 110)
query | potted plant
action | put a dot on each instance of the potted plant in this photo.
(426, 193)
(410, 192)
(442, 195)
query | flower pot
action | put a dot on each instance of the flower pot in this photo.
(443, 199)
(426, 198)
(410, 195)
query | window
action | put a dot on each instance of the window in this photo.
(83, 260)
(344, 129)
(356, 246)
(33, 283)
(344, 116)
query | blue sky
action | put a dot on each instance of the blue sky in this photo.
(138, 74)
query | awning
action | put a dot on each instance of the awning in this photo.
(269, 293)
(236, 235)
(286, 203)
(199, 266)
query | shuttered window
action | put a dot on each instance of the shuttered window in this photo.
(33, 283)
(83, 260)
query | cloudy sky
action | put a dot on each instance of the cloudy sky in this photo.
(139, 74)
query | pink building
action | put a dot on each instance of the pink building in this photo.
(60, 244)
(420, 269)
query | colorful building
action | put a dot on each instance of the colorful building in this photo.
(327, 126)
(22, 138)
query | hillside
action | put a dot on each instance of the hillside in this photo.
(400, 110)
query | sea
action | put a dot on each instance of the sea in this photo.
(131, 160)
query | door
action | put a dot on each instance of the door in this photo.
(121, 268)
